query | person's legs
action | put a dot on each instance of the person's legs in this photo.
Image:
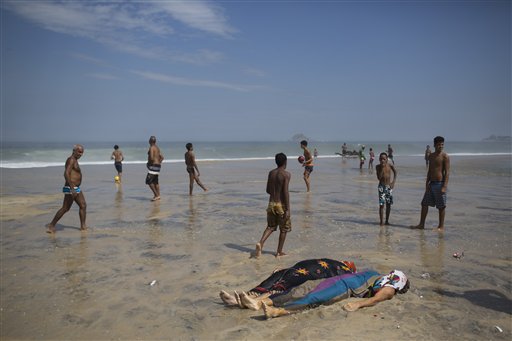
(80, 200)
(200, 183)
(282, 238)
(388, 211)
(259, 246)
(66, 205)
(381, 214)
(441, 218)
(191, 183)
(423, 217)
(306, 179)
(153, 189)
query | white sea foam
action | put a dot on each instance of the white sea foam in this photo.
(38, 155)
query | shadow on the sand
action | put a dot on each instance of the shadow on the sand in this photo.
(60, 227)
(259, 318)
(246, 249)
(490, 299)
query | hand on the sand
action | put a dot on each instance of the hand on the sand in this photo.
(352, 306)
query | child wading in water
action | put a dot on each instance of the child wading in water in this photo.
(384, 170)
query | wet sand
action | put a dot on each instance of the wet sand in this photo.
(94, 285)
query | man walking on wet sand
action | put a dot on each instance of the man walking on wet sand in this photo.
(154, 164)
(438, 174)
(278, 210)
(71, 190)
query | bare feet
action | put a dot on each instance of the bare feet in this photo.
(50, 229)
(418, 227)
(238, 300)
(251, 303)
(281, 254)
(83, 228)
(227, 298)
(257, 254)
(273, 312)
(155, 199)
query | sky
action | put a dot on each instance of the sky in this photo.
(255, 70)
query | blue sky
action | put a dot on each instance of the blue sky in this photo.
(255, 70)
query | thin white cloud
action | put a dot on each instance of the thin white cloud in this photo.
(192, 82)
(104, 76)
(200, 15)
(138, 28)
(255, 72)
(89, 59)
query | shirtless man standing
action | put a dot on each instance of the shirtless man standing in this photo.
(154, 164)
(386, 185)
(190, 161)
(308, 162)
(71, 190)
(278, 210)
(438, 174)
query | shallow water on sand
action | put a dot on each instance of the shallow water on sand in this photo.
(95, 285)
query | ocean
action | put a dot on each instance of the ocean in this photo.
(96, 284)
(38, 154)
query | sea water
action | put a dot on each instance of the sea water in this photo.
(46, 154)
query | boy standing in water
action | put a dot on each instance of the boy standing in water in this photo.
(384, 170)
(278, 210)
(370, 163)
(438, 174)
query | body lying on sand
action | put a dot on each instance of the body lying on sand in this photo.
(295, 289)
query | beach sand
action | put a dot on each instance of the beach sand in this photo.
(94, 285)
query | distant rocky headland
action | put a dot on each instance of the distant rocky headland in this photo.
(495, 138)
(299, 137)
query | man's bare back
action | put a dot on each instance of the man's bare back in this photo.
(154, 155)
(117, 155)
(277, 179)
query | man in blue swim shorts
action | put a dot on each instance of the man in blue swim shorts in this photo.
(437, 182)
(71, 190)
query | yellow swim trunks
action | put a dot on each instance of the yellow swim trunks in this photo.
(275, 217)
